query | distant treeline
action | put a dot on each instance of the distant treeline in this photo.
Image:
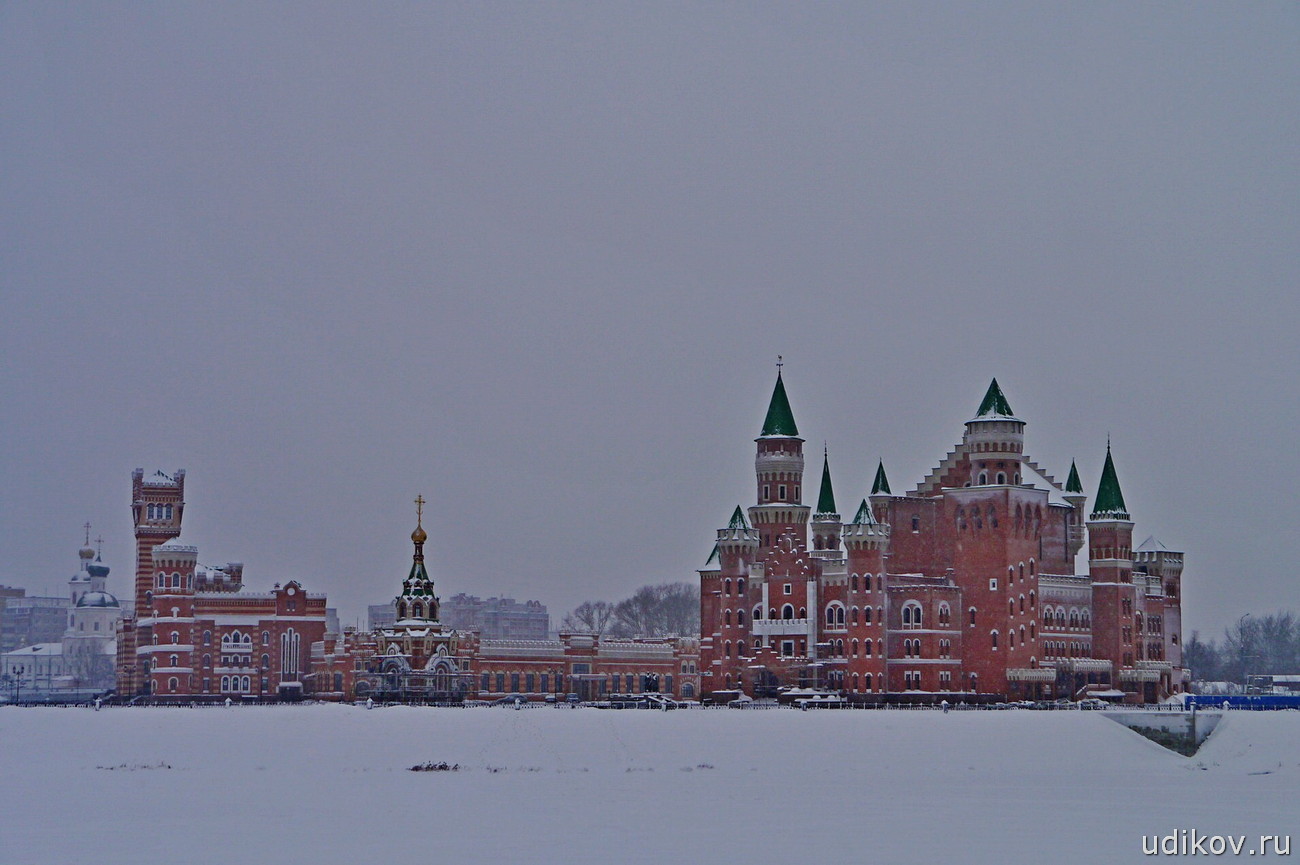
(1255, 645)
(665, 610)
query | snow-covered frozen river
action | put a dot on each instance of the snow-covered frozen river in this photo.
(331, 784)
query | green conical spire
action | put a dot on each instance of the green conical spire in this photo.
(881, 483)
(826, 499)
(994, 404)
(713, 556)
(1072, 483)
(864, 517)
(1110, 501)
(738, 519)
(779, 420)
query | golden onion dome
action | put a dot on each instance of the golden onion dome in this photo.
(419, 535)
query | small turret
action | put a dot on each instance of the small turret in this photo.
(736, 540)
(1110, 499)
(1075, 496)
(865, 535)
(880, 493)
(825, 521)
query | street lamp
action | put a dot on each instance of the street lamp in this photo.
(18, 683)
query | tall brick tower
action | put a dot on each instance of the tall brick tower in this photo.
(157, 505)
(1110, 564)
(778, 468)
(866, 543)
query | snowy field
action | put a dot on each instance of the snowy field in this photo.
(331, 784)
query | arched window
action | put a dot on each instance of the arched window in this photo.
(1032, 601)
(853, 581)
(726, 617)
(758, 613)
(853, 616)
(771, 613)
(1011, 607)
(726, 651)
(266, 662)
(173, 661)
(866, 615)
(916, 523)
(225, 683)
(830, 616)
(972, 616)
(176, 638)
(1011, 638)
(740, 617)
(867, 647)
(993, 639)
(839, 616)
(853, 648)
(726, 587)
(1022, 603)
(207, 660)
(983, 479)
(1031, 568)
(1002, 479)
(912, 615)
(787, 612)
(207, 638)
(803, 613)
(740, 586)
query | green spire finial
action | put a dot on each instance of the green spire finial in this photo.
(864, 517)
(826, 499)
(1072, 483)
(1110, 501)
(994, 404)
(779, 420)
(881, 484)
(737, 519)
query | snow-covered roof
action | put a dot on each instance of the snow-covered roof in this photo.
(1029, 474)
(97, 599)
(41, 649)
(1151, 545)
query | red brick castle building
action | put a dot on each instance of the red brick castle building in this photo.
(965, 585)
(194, 633)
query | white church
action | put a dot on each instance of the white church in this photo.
(85, 660)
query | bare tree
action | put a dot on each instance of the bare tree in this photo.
(589, 617)
(665, 610)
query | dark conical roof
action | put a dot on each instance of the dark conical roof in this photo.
(864, 517)
(779, 420)
(826, 498)
(1072, 483)
(713, 556)
(738, 519)
(1110, 500)
(994, 404)
(881, 483)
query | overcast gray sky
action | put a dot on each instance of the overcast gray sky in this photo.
(536, 262)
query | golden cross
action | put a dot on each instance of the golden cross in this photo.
(779, 363)
(87, 534)
(99, 542)
(419, 510)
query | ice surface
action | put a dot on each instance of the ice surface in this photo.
(331, 784)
